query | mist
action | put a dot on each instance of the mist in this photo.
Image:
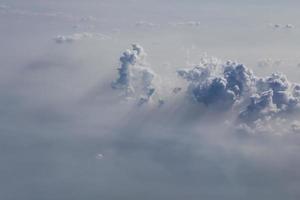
(149, 100)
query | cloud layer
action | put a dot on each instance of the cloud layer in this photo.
(77, 122)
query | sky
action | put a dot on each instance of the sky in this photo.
(143, 100)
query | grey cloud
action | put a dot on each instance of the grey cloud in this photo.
(218, 84)
(226, 85)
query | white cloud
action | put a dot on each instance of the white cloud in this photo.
(186, 23)
(295, 126)
(100, 156)
(60, 39)
(289, 26)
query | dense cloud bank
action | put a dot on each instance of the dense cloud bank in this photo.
(223, 87)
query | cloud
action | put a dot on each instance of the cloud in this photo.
(145, 24)
(67, 134)
(274, 94)
(135, 79)
(61, 39)
(268, 62)
(221, 87)
(218, 85)
(289, 26)
(233, 85)
(280, 26)
(295, 126)
(12, 10)
(186, 23)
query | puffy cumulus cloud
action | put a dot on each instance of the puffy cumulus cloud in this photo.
(234, 85)
(135, 78)
(61, 39)
(214, 84)
(274, 95)
(218, 86)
